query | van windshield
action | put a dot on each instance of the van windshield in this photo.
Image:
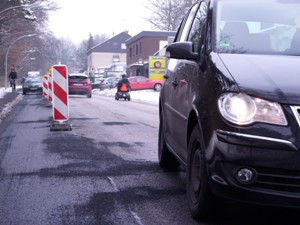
(256, 27)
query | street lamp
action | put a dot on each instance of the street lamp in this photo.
(11, 44)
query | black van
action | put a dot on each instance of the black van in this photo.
(230, 106)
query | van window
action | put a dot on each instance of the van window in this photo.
(187, 24)
(238, 30)
(197, 29)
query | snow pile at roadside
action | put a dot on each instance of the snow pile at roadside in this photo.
(148, 96)
(3, 92)
(8, 107)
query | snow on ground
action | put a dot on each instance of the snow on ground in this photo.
(3, 91)
(148, 96)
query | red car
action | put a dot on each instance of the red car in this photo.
(80, 84)
(141, 83)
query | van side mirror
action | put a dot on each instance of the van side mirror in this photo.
(181, 50)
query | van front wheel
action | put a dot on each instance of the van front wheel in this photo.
(200, 198)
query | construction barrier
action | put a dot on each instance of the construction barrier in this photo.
(50, 88)
(60, 97)
(45, 85)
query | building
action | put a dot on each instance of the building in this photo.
(109, 55)
(143, 45)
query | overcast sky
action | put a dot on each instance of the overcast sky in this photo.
(76, 19)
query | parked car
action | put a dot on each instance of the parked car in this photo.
(80, 84)
(229, 110)
(33, 84)
(96, 81)
(108, 83)
(142, 83)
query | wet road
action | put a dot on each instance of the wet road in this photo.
(103, 171)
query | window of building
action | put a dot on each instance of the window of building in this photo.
(136, 49)
(140, 47)
(123, 46)
(130, 52)
(116, 58)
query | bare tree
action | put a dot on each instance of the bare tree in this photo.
(23, 14)
(167, 14)
(81, 56)
(21, 17)
(18, 18)
(100, 38)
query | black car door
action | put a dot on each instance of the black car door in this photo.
(180, 76)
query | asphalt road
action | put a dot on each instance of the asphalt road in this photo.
(103, 171)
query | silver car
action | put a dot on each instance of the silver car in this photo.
(32, 84)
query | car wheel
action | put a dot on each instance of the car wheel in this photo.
(200, 198)
(89, 95)
(157, 87)
(24, 92)
(165, 158)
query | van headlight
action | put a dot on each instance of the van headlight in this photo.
(242, 109)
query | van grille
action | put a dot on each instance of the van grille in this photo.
(296, 111)
(286, 181)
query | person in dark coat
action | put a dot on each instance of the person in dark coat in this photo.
(12, 76)
(123, 84)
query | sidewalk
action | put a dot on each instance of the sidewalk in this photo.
(8, 100)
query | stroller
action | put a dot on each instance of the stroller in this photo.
(123, 92)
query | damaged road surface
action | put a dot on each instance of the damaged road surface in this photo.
(104, 171)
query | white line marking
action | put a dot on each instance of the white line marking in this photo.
(136, 217)
(113, 184)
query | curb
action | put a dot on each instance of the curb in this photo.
(8, 107)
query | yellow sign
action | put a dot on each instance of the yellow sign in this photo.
(50, 69)
(157, 67)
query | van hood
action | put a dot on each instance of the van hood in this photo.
(273, 77)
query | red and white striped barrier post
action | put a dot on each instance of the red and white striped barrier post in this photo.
(50, 88)
(45, 85)
(60, 98)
